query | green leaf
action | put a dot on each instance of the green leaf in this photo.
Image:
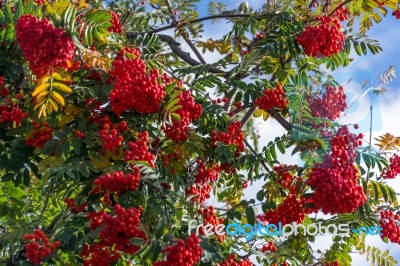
(19, 9)
(251, 215)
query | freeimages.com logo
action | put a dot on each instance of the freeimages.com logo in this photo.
(250, 231)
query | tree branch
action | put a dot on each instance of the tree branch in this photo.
(171, 26)
(256, 154)
(176, 49)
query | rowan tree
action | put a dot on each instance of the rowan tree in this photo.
(115, 132)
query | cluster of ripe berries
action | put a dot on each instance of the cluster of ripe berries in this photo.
(285, 178)
(394, 168)
(115, 237)
(291, 210)
(333, 263)
(9, 111)
(198, 193)
(134, 89)
(233, 261)
(139, 151)
(118, 182)
(183, 253)
(99, 255)
(39, 247)
(206, 174)
(116, 24)
(396, 13)
(209, 217)
(190, 111)
(335, 180)
(272, 98)
(389, 222)
(233, 136)
(71, 204)
(330, 104)
(110, 136)
(44, 46)
(324, 39)
(40, 135)
(268, 248)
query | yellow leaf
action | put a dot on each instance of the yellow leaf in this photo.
(62, 87)
(101, 162)
(39, 103)
(61, 76)
(40, 88)
(43, 79)
(53, 104)
(58, 98)
(388, 142)
(41, 95)
(42, 111)
(258, 113)
(265, 115)
(95, 59)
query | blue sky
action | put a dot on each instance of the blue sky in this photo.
(386, 107)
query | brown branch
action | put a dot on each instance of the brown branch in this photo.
(171, 26)
(256, 154)
(339, 6)
(176, 49)
(185, 37)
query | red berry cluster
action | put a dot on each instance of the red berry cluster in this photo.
(9, 111)
(268, 248)
(43, 45)
(183, 253)
(394, 168)
(220, 100)
(139, 151)
(330, 105)
(325, 39)
(116, 24)
(396, 13)
(233, 261)
(199, 193)
(110, 137)
(118, 181)
(227, 168)
(79, 134)
(178, 130)
(389, 222)
(209, 217)
(116, 234)
(333, 263)
(285, 178)
(99, 255)
(133, 87)
(39, 2)
(206, 174)
(71, 204)
(291, 210)
(342, 13)
(271, 99)
(12, 114)
(233, 136)
(39, 247)
(335, 180)
(40, 135)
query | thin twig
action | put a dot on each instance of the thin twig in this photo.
(370, 142)
(339, 6)
(256, 154)
(185, 37)
(46, 202)
(171, 26)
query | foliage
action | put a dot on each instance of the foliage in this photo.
(60, 133)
